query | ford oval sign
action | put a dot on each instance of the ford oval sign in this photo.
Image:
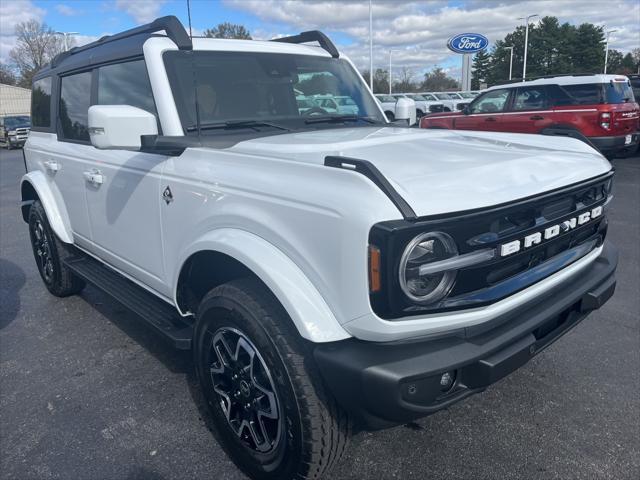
(468, 43)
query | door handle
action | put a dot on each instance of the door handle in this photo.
(490, 119)
(536, 117)
(94, 177)
(51, 165)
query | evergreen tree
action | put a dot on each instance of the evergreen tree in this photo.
(481, 66)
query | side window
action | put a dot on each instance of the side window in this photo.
(41, 103)
(530, 98)
(579, 94)
(75, 99)
(125, 84)
(490, 102)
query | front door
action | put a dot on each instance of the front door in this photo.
(123, 187)
(485, 113)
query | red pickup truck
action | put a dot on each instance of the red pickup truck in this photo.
(598, 109)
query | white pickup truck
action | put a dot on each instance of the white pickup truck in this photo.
(326, 269)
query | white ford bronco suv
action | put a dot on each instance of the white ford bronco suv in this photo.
(327, 270)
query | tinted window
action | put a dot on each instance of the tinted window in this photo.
(75, 99)
(259, 86)
(16, 122)
(490, 102)
(618, 92)
(125, 84)
(530, 98)
(583, 94)
(41, 103)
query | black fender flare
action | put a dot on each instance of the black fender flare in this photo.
(567, 131)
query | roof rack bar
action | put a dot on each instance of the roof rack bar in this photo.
(170, 24)
(312, 36)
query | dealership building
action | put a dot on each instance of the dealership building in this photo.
(14, 100)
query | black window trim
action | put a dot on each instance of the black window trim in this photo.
(135, 58)
(52, 109)
(92, 98)
(93, 69)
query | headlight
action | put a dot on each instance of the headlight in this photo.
(422, 250)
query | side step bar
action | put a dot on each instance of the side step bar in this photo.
(158, 314)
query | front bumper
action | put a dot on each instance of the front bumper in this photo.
(386, 384)
(615, 143)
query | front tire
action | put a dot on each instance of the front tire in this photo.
(278, 422)
(50, 254)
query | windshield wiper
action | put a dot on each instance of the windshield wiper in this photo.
(340, 118)
(232, 124)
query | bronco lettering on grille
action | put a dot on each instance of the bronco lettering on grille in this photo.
(549, 232)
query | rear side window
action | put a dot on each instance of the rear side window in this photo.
(583, 94)
(126, 84)
(530, 98)
(75, 99)
(41, 103)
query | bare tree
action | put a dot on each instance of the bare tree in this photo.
(36, 45)
(405, 81)
(7, 77)
(228, 30)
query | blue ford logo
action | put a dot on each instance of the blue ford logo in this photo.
(468, 43)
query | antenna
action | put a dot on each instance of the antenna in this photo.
(189, 15)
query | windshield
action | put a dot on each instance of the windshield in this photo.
(442, 96)
(247, 88)
(386, 98)
(14, 122)
(420, 98)
(467, 95)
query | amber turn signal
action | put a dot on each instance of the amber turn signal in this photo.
(374, 269)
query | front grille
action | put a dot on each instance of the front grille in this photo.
(489, 282)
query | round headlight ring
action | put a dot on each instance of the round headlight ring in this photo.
(448, 277)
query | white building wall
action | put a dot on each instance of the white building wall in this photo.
(14, 100)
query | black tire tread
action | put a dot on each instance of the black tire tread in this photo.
(326, 426)
(66, 282)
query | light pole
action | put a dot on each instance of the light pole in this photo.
(390, 50)
(510, 61)
(371, 45)
(526, 44)
(606, 49)
(65, 36)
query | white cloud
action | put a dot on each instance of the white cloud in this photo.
(142, 11)
(418, 30)
(12, 13)
(66, 10)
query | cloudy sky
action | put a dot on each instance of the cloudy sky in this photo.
(415, 31)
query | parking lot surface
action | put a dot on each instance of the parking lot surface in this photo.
(86, 392)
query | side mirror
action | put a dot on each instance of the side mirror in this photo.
(120, 126)
(466, 110)
(406, 110)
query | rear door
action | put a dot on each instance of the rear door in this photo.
(529, 110)
(485, 113)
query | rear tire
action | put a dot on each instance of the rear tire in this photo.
(310, 432)
(50, 254)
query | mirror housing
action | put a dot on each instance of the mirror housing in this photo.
(119, 127)
(406, 110)
(466, 110)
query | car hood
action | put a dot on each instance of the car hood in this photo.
(443, 171)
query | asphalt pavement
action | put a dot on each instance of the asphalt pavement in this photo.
(87, 392)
